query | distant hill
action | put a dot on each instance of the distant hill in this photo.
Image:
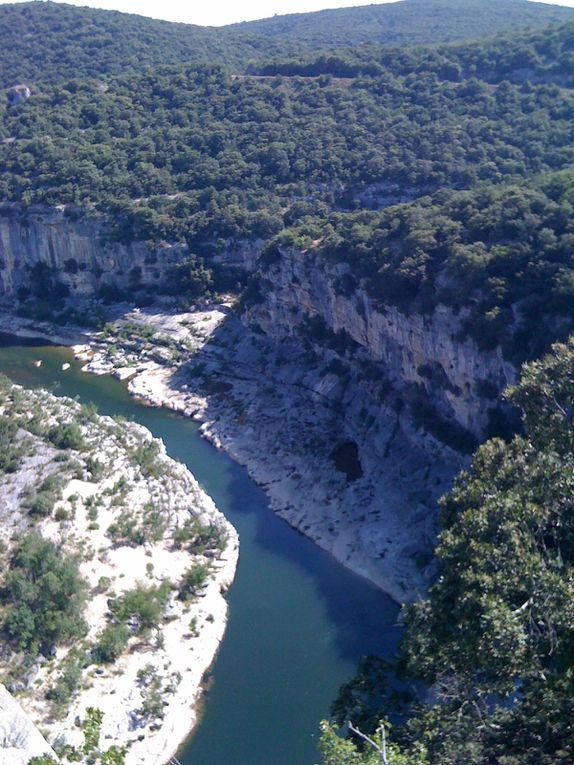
(537, 56)
(51, 42)
(407, 22)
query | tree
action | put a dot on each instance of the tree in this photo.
(376, 749)
(496, 636)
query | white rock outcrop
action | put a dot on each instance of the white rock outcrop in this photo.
(78, 250)
(20, 740)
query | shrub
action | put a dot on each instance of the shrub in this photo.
(44, 596)
(68, 436)
(10, 452)
(42, 505)
(66, 685)
(142, 607)
(145, 456)
(194, 580)
(112, 643)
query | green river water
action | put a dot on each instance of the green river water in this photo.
(298, 621)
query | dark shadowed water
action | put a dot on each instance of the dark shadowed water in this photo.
(298, 623)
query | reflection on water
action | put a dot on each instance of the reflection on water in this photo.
(298, 621)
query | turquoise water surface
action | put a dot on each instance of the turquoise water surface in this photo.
(298, 622)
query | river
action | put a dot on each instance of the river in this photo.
(298, 621)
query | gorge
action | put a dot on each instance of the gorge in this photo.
(339, 367)
(339, 248)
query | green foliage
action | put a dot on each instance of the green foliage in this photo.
(11, 450)
(496, 636)
(408, 23)
(522, 56)
(142, 607)
(192, 155)
(111, 644)
(91, 727)
(197, 536)
(145, 527)
(60, 43)
(190, 277)
(67, 683)
(145, 456)
(371, 690)
(195, 156)
(194, 580)
(71, 44)
(68, 436)
(115, 755)
(503, 254)
(44, 596)
(210, 156)
(340, 751)
(152, 707)
(49, 492)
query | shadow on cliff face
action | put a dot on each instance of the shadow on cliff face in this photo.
(346, 459)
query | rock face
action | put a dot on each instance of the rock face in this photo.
(20, 740)
(17, 94)
(414, 354)
(45, 242)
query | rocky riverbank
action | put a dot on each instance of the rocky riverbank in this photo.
(344, 471)
(366, 496)
(107, 492)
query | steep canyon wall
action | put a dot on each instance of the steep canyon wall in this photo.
(420, 355)
(42, 241)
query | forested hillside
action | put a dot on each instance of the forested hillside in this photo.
(196, 155)
(520, 57)
(49, 42)
(501, 254)
(184, 130)
(408, 22)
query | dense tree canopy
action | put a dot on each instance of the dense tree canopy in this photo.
(496, 637)
(53, 42)
(501, 253)
(409, 22)
(193, 154)
(527, 56)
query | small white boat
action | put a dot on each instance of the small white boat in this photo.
(65, 366)
(37, 363)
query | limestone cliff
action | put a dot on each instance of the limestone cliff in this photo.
(414, 354)
(78, 250)
(351, 414)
